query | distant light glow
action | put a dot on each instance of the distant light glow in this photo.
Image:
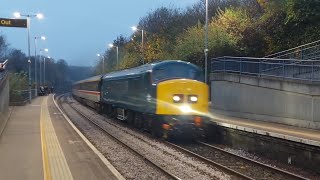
(134, 28)
(185, 109)
(40, 16)
(17, 14)
(49, 57)
(43, 37)
(46, 50)
(98, 55)
(111, 45)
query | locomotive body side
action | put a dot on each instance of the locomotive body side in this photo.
(145, 96)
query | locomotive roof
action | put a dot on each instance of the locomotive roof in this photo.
(142, 69)
(91, 79)
(134, 71)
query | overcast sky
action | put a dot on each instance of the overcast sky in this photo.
(77, 30)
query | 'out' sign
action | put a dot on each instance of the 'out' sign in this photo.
(22, 23)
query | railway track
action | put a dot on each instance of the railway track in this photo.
(167, 173)
(233, 163)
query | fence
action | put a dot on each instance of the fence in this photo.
(20, 97)
(3, 75)
(3, 79)
(308, 70)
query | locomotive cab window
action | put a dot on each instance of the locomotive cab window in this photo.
(174, 71)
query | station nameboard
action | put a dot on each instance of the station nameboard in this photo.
(22, 23)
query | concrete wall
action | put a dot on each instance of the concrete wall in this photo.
(288, 102)
(4, 102)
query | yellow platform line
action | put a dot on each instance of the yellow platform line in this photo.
(46, 168)
(92, 147)
(55, 165)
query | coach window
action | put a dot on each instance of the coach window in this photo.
(86, 86)
(93, 86)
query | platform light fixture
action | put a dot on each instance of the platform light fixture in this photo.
(35, 62)
(134, 28)
(99, 55)
(117, 48)
(28, 16)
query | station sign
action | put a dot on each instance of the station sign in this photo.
(21, 23)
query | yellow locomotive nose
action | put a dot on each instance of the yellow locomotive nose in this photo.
(182, 97)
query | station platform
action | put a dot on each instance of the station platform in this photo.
(287, 132)
(38, 142)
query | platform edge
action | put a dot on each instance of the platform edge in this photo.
(114, 171)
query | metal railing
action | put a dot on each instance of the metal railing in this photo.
(3, 75)
(308, 70)
(20, 97)
(304, 52)
(3, 79)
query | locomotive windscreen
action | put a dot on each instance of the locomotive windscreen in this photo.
(174, 71)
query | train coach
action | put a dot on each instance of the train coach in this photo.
(167, 98)
(88, 91)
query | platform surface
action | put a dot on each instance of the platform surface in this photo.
(38, 143)
(282, 131)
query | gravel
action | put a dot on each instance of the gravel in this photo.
(124, 160)
(249, 169)
(180, 164)
(273, 163)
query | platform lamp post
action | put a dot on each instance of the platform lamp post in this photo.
(99, 55)
(44, 69)
(134, 28)
(29, 16)
(206, 47)
(117, 47)
(35, 62)
(40, 71)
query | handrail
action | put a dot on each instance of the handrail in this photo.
(298, 47)
(271, 59)
(3, 75)
(308, 70)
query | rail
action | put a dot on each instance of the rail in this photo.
(94, 122)
(270, 171)
(307, 70)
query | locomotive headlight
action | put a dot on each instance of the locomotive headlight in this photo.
(177, 98)
(192, 98)
(185, 109)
